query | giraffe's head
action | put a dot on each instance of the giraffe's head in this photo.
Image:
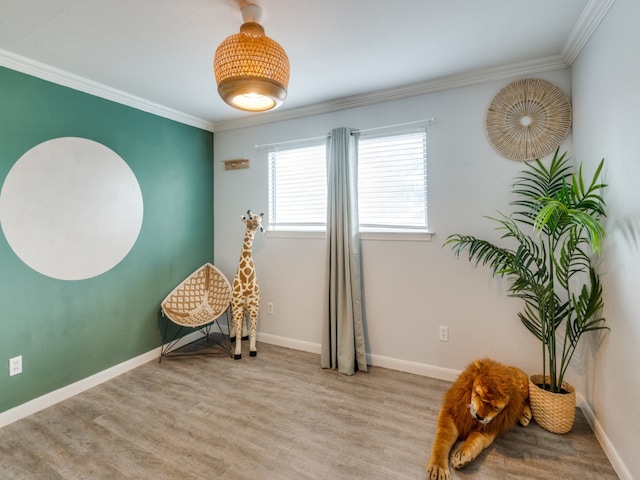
(253, 221)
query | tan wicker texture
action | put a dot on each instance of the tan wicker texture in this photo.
(528, 119)
(555, 412)
(251, 53)
(199, 299)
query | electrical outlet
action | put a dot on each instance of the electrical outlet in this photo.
(15, 365)
(444, 334)
(270, 308)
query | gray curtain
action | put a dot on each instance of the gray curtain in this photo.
(343, 340)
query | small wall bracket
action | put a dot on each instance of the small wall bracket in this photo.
(236, 164)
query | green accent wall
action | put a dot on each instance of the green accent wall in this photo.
(69, 330)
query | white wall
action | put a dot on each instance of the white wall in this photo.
(410, 287)
(606, 99)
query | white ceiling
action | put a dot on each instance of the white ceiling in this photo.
(161, 51)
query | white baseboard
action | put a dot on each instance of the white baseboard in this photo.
(413, 367)
(289, 343)
(374, 360)
(33, 406)
(609, 450)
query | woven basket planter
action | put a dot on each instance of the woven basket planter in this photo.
(554, 412)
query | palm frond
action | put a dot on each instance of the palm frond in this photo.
(539, 182)
(482, 251)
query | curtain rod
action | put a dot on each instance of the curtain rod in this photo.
(301, 140)
(428, 121)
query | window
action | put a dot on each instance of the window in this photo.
(392, 184)
(298, 188)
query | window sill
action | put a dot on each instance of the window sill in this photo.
(294, 234)
(397, 236)
(375, 236)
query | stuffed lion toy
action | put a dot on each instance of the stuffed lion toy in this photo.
(487, 399)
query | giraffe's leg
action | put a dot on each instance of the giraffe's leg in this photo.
(238, 314)
(245, 334)
(236, 303)
(252, 336)
(253, 304)
(232, 332)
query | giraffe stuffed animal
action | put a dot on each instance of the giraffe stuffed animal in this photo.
(246, 292)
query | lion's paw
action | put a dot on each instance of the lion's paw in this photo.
(525, 416)
(461, 459)
(435, 472)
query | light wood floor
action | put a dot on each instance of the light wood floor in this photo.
(277, 416)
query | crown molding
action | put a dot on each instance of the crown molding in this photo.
(76, 82)
(445, 83)
(592, 15)
(589, 20)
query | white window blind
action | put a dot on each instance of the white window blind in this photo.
(298, 187)
(392, 182)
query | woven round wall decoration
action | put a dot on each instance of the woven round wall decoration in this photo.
(528, 119)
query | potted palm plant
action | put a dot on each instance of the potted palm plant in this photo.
(555, 229)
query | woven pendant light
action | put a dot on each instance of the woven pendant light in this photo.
(252, 70)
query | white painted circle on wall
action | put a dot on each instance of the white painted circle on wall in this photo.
(71, 208)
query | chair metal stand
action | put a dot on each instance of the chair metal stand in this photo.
(210, 338)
